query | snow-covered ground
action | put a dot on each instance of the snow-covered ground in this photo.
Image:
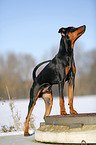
(82, 104)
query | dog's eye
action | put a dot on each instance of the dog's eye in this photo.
(72, 29)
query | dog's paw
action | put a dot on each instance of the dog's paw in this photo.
(26, 134)
(73, 112)
(63, 113)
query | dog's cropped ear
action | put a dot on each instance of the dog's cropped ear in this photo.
(62, 31)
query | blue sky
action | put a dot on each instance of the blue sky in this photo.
(30, 27)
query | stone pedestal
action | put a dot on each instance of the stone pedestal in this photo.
(68, 129)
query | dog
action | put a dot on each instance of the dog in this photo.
(58, 70)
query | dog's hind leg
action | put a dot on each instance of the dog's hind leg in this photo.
(30, 108)
(62, 106)
(47, 96)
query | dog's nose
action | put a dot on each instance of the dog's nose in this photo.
(84, 27)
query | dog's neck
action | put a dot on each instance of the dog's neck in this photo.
(65, 47)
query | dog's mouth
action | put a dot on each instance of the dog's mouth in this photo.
(76, 34)
(82, 31)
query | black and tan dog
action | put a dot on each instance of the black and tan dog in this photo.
(59, 70)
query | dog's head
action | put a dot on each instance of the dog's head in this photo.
(72, 33)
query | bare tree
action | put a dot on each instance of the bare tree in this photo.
(15, 73)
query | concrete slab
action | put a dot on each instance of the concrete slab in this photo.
(64, 134)
(72, 120)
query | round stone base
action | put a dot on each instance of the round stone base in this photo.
(64, 134)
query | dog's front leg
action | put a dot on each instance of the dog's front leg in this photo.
(62, 106)
(70, 94)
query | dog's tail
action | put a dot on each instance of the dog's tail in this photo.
(35, 69)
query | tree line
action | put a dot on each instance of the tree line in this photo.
(16, 74)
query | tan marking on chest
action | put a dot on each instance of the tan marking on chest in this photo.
(74, 69)
(67, 69)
